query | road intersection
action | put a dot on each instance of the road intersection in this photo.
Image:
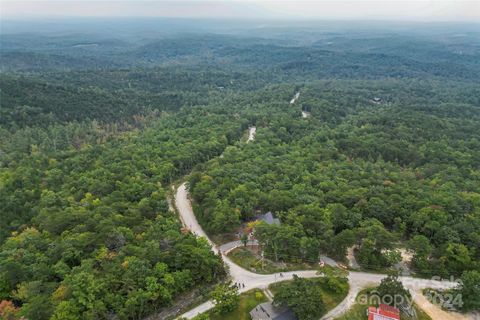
(250, 280)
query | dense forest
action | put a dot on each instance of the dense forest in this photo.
(94, 130)
(93, 222)
(372, 174)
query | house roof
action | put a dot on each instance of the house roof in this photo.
(269, 219)
(383, 312)
(267, 311)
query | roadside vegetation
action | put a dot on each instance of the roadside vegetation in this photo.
(465, 297)
(246, 302)
(247, 259)
(310, 298)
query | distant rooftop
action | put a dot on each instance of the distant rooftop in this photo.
(267, 311)
(269, 219)
(383, 312)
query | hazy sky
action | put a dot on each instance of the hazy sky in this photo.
(354, 9)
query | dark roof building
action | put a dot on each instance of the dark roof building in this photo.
(268, 218)
(267, 311)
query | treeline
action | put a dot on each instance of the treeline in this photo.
(367, 57)
(109, 96)
(358, 173)
(27, 102)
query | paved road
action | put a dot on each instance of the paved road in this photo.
(227, 247)
(251, 134)
(187, 217)
(357, 280)
(295, 98)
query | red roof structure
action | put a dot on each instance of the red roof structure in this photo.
(383, 312)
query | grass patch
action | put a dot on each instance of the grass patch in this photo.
(245, 258)
(248, 301)
(358, 310)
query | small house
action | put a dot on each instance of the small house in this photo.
(267, 311)
(376, 100)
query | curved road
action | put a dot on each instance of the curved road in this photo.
(238, 274)
(357, 280)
